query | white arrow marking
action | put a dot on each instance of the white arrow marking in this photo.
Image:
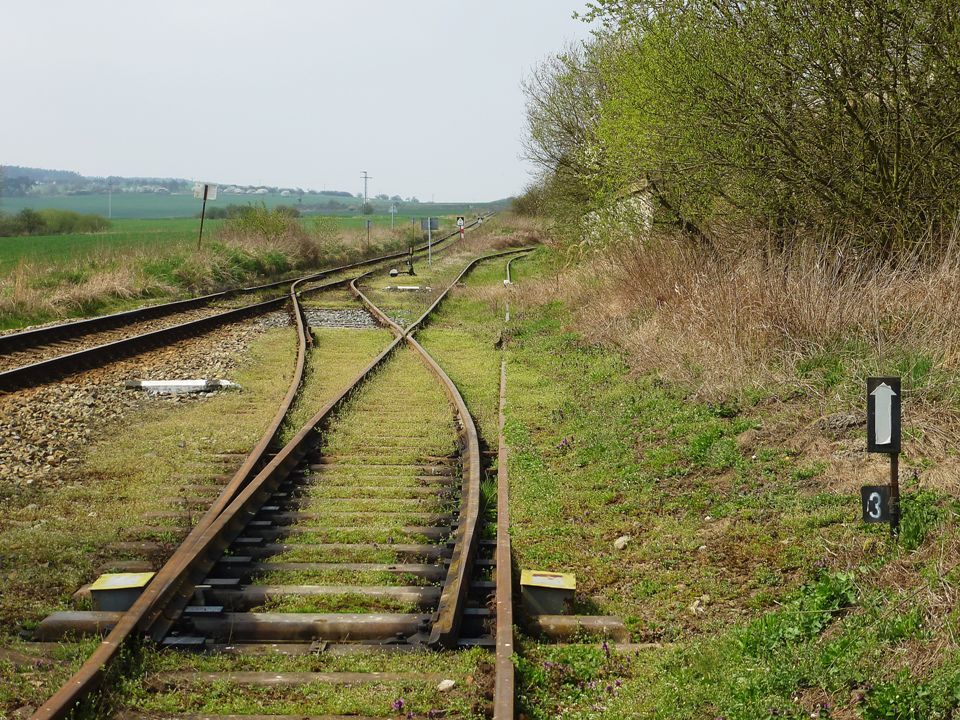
(883, 414)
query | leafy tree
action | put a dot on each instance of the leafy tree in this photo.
(782, 117)
(29, 222)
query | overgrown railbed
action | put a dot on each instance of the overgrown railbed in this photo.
(746, 572)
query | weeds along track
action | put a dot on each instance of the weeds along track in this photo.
(323, 571)
(44, 354)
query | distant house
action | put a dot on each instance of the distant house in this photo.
(260, 191)
(284, 193)
(629, 214)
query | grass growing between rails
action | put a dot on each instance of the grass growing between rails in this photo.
(336, 357)
(470, 671)
(746, 565)
(449, 260)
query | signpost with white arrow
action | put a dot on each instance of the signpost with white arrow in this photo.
(207, 192)
(883, 436)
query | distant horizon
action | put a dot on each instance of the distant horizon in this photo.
(225, 184)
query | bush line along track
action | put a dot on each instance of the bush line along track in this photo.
(60, 366)
(246, 496)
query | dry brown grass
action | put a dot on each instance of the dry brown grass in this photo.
(81, 287)
(798, 336)
(123, 282)
(294, 242)
(110, 280)
(721, 320)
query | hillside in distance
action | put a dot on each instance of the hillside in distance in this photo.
(150, 197)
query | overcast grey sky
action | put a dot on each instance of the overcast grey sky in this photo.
(423, 94)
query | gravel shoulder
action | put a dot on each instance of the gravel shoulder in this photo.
(44, 430)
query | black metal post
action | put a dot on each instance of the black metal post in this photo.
(894, 493)
(203, 212)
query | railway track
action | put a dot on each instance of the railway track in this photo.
(49, 353)
(366, 532)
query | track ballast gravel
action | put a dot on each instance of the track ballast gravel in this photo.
(44, 429)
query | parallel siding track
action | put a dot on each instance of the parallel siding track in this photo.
(44, 354)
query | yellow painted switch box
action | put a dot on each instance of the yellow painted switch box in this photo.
(547, 593)
(118, 591)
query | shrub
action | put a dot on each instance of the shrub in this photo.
(50, 222)
(63, 222)
(259, 221)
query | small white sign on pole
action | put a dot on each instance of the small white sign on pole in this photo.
(211, 191)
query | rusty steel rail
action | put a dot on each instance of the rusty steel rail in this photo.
(37, 337)
(92, 671)
(63, 365)
(255, 458)
(70, 363)
(504, 686)
(158, 608)
(453, 596)
(510, 264)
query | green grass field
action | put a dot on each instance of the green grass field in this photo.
(184, 205)
(162, 236)
(137, 205)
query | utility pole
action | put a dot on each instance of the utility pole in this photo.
(429, 243)
(365, 179)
